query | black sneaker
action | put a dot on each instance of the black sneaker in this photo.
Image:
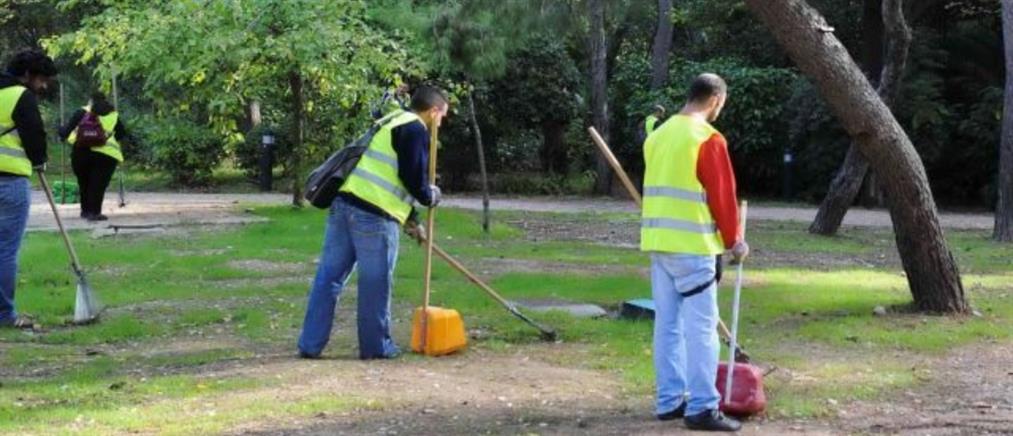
(305, 355)
(676, 413)
(712, 420)
(97, 217)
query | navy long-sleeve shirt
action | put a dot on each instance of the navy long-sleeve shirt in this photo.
(28, 120)
(411, 144)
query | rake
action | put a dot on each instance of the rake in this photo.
(86, 306)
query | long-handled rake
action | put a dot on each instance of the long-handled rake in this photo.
(740, 354)
(86, 306)
(546, 333)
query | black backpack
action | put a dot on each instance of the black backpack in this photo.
(324, 183)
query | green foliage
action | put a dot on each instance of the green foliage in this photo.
(214, 58)
(188, 151)
(752, 121)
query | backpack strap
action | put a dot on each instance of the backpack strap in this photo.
(5, 132)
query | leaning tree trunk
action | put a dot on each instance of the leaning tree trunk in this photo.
(662, 48)
(1004, 209)
(931, 270)
(295, 84)
(848, 182)
(481, 161)
(599, 89)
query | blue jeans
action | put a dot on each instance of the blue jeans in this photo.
(686, 343)
(354, 237)
(15, 200)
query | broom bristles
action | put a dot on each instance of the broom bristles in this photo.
(87, 307)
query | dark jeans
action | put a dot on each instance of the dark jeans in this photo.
(15, 199)
(93, 171)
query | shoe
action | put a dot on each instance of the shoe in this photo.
(20, 323)
(712, 420)
(86, 215)
(305, 355)
(98, 217)
(676, 413)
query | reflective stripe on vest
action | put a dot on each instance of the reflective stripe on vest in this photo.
(13, 159)
(112, 146)
(375, 178)
(675, 217)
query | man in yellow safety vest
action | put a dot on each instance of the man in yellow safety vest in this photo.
(22, 149)
(362, 228)
(690, 215)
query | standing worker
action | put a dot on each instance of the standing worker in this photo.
(94, 162)
(22, 148)
(652, 120)
(362, 226)
(690, 215)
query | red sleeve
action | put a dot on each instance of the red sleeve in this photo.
(714, 170)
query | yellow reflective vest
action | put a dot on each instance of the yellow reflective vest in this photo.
(375, 178)
(675, 216)
(112, 146)
(13, 159)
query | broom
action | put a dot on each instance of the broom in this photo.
(86, 306)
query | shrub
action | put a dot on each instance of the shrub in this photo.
(188, 151)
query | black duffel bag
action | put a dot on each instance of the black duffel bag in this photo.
(324, 183)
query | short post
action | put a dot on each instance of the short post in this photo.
(787, 190)
(266, 161)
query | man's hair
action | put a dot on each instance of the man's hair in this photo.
(33, 62)
(100, 103)
(705, 86)
(427, 97)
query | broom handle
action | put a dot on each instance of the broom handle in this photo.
(430, 228)
(618, 168)
(743, 212)
(59, 223)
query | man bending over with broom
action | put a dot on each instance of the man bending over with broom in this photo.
(362, 226)
(689, 216)
(22, 148)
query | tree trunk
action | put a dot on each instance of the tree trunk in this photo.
(553, 153)
(931, 270)
(1004, 209)
(662, 48)
(295, 84)
(599, 89)
(481, 161)
(848, 182)
(253, 116)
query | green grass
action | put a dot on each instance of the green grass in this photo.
(806, 320)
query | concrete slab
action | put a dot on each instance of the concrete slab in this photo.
(580, 310)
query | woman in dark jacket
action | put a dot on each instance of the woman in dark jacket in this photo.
(95, 164)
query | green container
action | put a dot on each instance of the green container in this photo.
(65, 192)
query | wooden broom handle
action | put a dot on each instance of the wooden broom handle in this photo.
(430, 230)
(616, 166)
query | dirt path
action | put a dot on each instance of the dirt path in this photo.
(855, 217)
(171, 209)
(147, 209)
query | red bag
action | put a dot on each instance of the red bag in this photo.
(90, 132)
(748, 397)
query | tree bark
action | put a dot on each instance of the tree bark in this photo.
(932, 273)
(295, 84)
(662, 48)
(1004, 209)
(848, 182)
(553, 152)
(599, 89)
(481, 161)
